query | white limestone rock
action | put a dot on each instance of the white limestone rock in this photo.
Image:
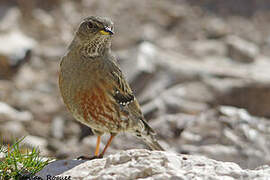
(8, 113)
(241, 50)
(144, 164)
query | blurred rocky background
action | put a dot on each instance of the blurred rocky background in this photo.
(200, 70)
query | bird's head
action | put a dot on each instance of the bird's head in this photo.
(94, 36)
(95, 27)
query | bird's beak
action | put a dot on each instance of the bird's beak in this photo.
(106, 31)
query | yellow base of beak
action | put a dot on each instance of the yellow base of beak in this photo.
(104, 32)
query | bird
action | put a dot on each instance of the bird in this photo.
(94, 88)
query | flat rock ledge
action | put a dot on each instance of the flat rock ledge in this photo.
(145, 164)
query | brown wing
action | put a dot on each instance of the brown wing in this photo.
(125, 98)
(122, 92)
(123, 95)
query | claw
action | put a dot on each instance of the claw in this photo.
(88, 158)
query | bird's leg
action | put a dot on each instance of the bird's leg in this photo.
(107, 145)
(96, 156)
(97, 145)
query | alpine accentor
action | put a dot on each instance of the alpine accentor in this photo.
(94, 88)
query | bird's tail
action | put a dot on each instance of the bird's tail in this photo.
(152, 142)
(148, 136)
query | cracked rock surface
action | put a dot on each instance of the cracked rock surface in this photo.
(144, 164)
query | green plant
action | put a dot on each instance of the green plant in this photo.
(16, 164)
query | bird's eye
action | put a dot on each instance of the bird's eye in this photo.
(90, 25)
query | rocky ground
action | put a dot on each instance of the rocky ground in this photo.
(148, 165)
(199, 69)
